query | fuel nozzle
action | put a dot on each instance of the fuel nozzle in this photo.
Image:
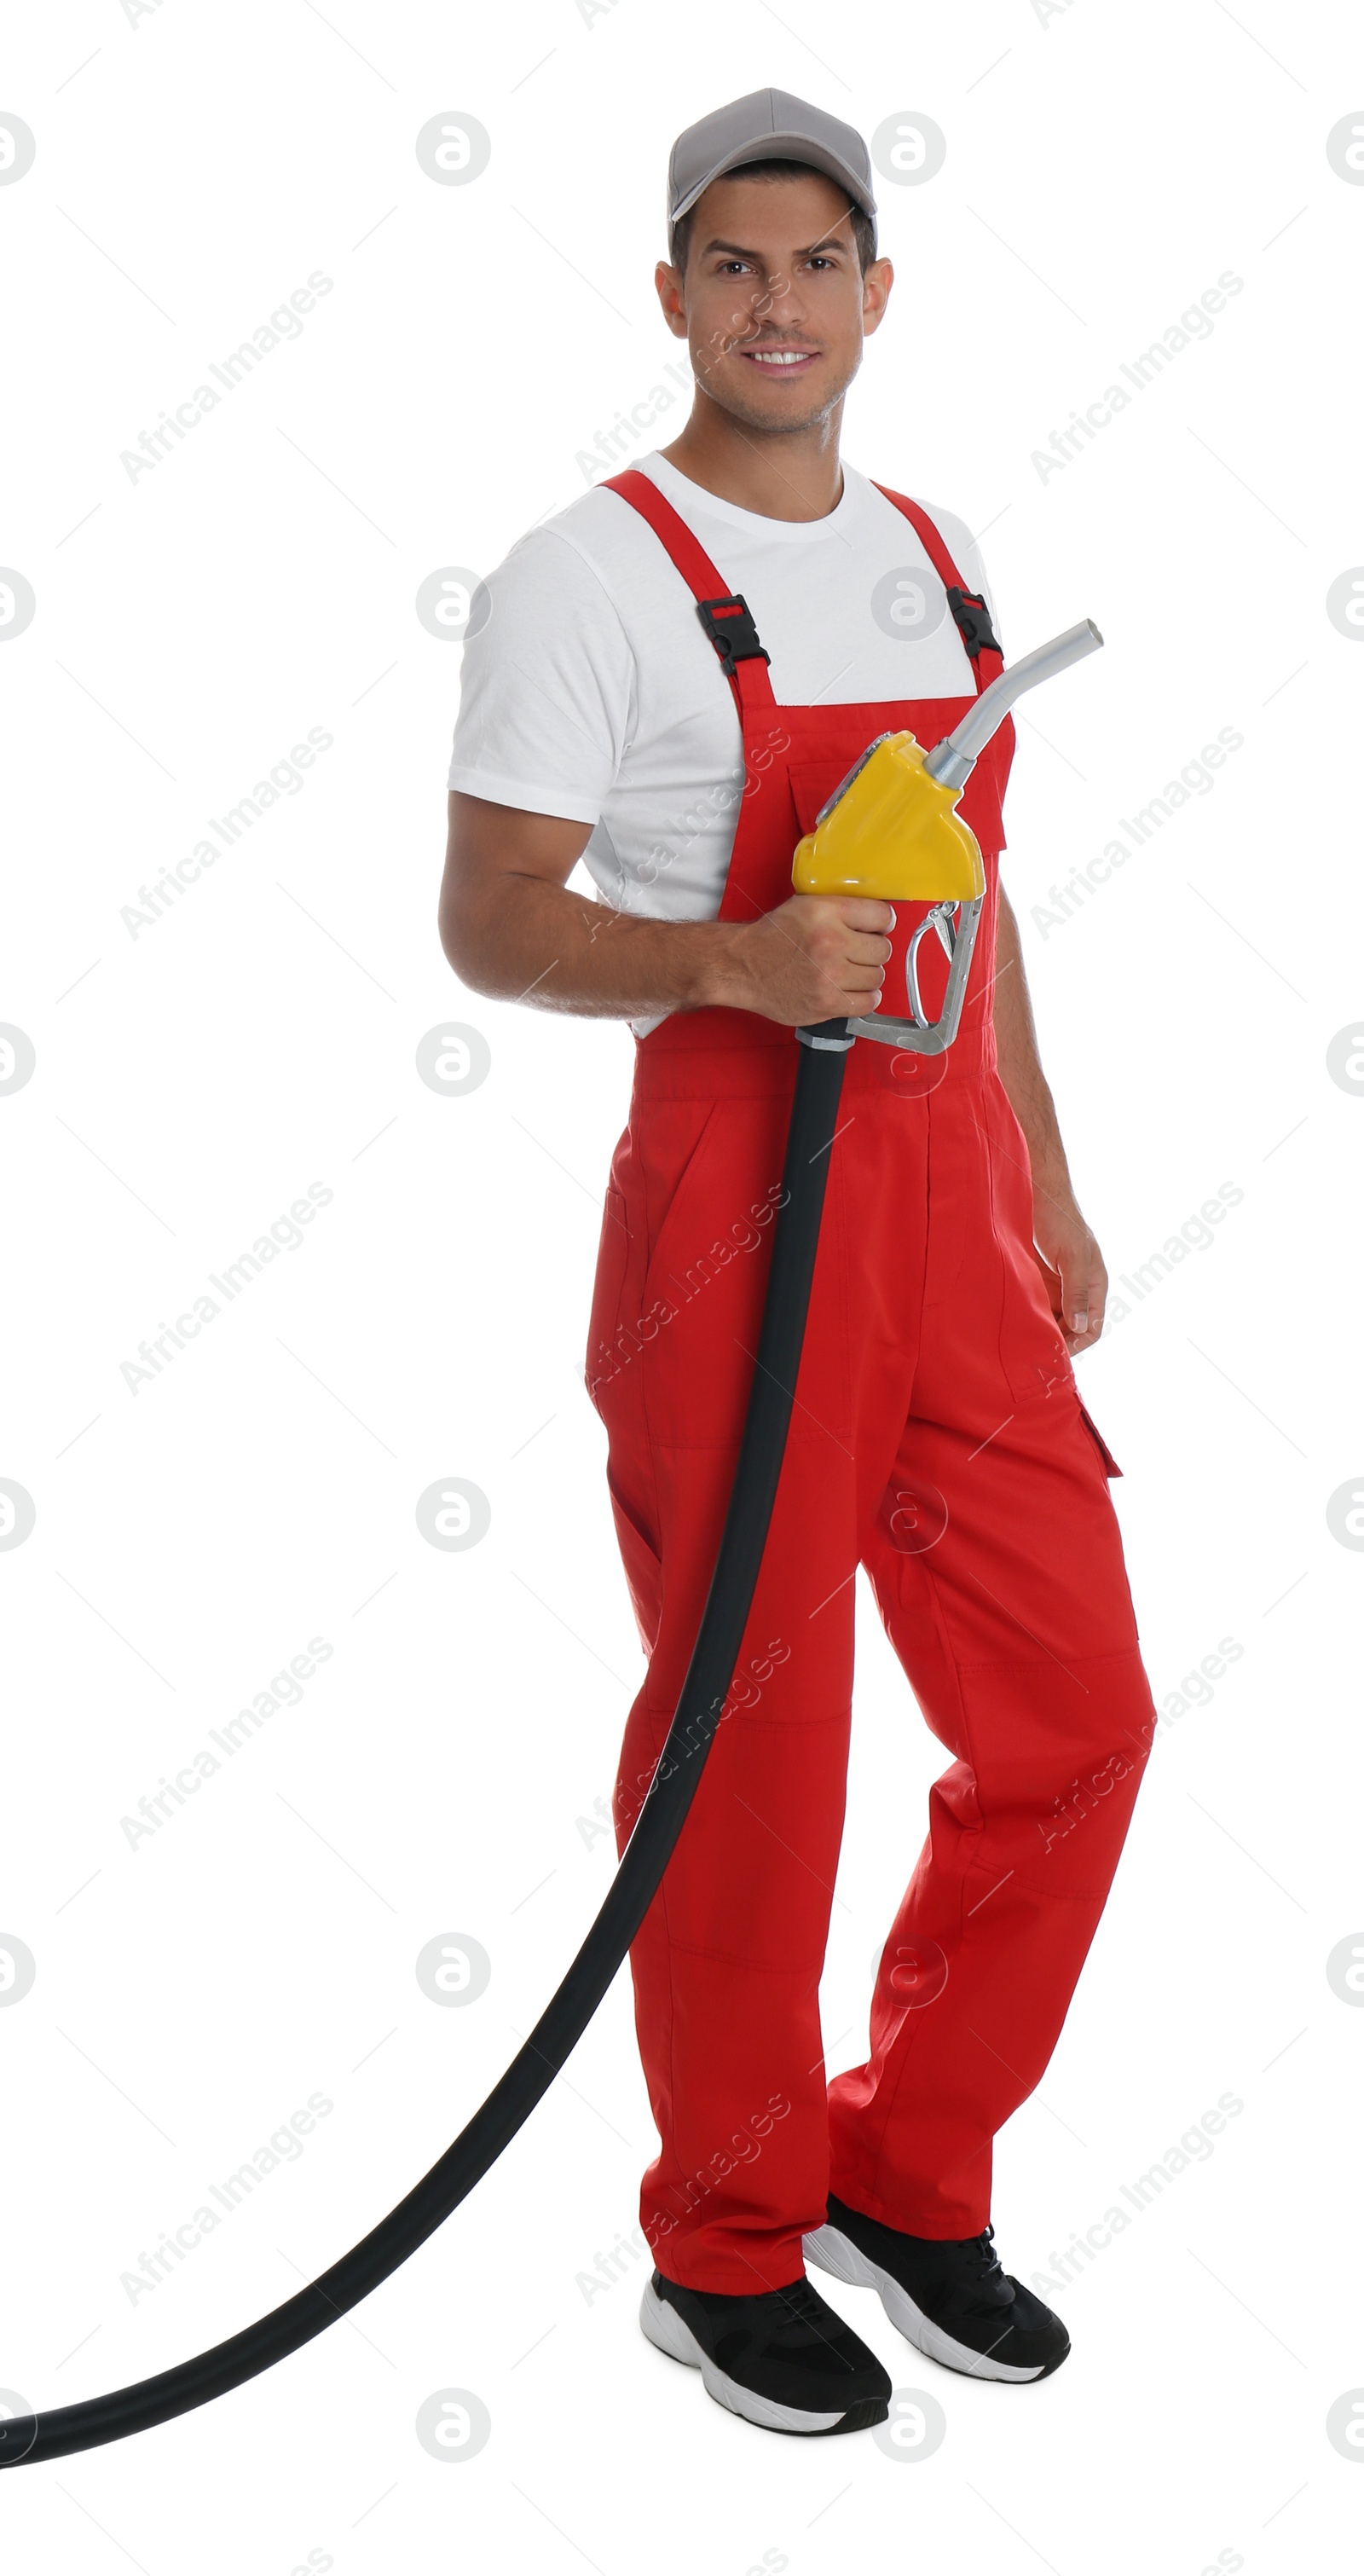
(890, 829)
(952, 760)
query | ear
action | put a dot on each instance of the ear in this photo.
(876, 286)
(668, 283)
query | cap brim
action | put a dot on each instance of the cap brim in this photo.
(778, 147)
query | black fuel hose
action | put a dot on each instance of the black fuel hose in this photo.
(814, 1116)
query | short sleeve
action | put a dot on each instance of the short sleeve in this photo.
(548, 687)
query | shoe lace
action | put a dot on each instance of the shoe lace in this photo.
(801, 2300)
(800, 2316)
(988, 2266)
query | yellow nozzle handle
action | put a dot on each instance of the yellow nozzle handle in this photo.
(892, 832)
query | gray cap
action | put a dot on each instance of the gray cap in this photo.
(768, 125)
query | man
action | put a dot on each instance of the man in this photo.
(676, 672)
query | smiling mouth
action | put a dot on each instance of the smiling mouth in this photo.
(780, 362)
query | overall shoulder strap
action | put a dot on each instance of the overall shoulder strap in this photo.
(724, 614)
(687, 551)
(969, 611)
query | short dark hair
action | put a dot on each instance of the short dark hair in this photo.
(864, 234)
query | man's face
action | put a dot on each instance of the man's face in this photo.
(773, 305)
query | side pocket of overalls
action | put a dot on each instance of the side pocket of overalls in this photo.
(1110, 1464)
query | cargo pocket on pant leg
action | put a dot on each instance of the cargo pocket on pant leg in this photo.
(1110, 1464)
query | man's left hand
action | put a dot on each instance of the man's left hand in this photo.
(1072, 1265)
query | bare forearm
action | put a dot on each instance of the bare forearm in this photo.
(1020, 1065)
(512, 929)
(1070, 1260)
(542, 944)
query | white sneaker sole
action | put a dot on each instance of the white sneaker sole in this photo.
(671, 2333)
(834, 2252)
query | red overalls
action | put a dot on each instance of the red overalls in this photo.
(939, 1441)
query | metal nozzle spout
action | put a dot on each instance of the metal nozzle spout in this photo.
(952, 760)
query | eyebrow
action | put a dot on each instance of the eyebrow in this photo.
(827, 241)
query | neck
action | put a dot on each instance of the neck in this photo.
(781, 474)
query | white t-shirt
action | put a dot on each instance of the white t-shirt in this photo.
(592, 691)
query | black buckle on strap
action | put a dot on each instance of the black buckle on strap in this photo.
(729, 624)
(973, 622)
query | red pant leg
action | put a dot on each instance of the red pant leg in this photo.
(727, 1963)
(726, 1966)
(997, 1564)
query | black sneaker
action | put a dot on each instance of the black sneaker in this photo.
(779, 2358)
(949, 2295)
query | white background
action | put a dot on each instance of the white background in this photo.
(1104, 165)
